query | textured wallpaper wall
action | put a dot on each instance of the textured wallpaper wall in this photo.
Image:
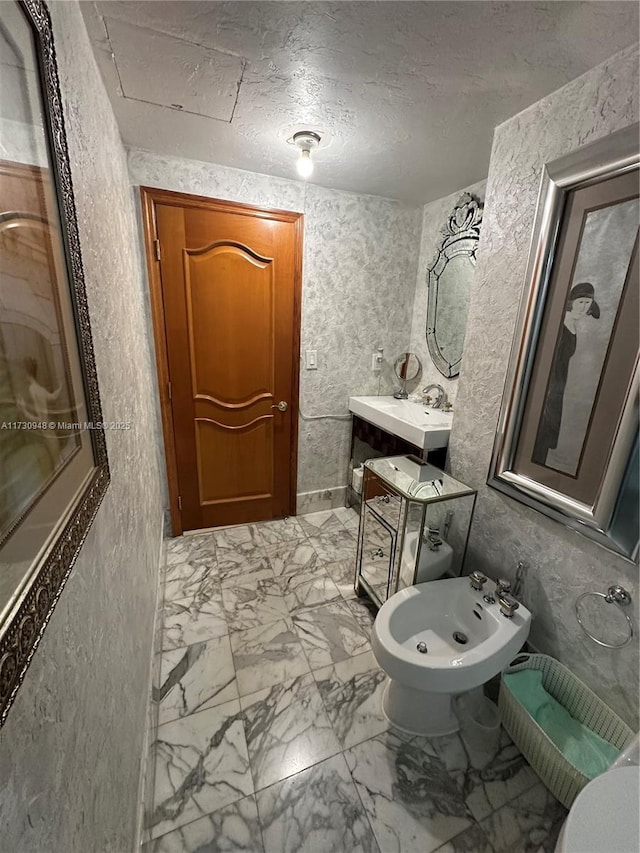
(71, 749)
(360, 262)
(434, 216)
(562, 563)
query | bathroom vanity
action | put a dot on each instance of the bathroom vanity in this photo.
(414, 525)
(384, 426)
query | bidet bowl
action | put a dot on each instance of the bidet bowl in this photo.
(432, 613)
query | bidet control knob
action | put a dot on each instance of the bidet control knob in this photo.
(478, 580)
(502, 586)
(508, 605)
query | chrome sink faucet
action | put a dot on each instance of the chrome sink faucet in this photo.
(441, 399)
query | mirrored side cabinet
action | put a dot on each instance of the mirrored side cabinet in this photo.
(414, 526)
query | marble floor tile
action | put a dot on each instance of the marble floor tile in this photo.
(289, 558)
(329, 634)
(188, 622)
(267, 655)
(250, 565)
(472, 840)
(531, 822)
(411, 801)
(308, 589)
(342, 573)
(316, 811)
(287, 730)
(195, 678)
(334, 546)
(249, 603)
(319, 523)
(349, 517)
(195, 580)
(182, 549)
(486, 784)
(364, 611)
(232, 829)
(202, 764)
(352, 694)
(280, 530)
(241, 538)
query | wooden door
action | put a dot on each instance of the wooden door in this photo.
(226, 284)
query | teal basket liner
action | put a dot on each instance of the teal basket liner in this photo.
(563, 780)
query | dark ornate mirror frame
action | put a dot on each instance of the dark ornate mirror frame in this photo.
(27, 618)
(460, 236)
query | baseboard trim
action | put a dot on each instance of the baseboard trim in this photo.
(146, 780)
(321, 499)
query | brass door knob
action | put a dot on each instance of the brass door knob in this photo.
(281, 406)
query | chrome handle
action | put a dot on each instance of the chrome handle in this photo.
(502, 586)
(478, 580)
(508, 605)
(281, 407)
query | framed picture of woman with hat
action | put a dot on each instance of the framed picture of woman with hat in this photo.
(567, 438)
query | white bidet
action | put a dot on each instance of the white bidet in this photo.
(435, 641)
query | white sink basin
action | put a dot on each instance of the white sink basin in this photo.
(420, 425)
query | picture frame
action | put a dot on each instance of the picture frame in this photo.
(54, 469)
(567, 437)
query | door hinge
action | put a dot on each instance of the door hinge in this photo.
(156, 244)
(180, 502)
(169, 391)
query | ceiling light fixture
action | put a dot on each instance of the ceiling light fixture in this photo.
(306, 141)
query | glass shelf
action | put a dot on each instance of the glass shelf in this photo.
(416, 480)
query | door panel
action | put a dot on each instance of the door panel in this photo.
(221, 325)
(226, 455)
(229, 280)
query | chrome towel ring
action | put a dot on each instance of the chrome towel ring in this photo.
(617, 595)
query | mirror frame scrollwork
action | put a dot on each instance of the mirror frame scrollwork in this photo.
(29, 609)
(460, 236)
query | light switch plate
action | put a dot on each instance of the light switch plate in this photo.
(311, 359)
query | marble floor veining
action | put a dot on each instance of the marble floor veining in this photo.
(271, 737)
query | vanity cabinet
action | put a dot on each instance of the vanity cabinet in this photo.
(370, 442)
(414, 525)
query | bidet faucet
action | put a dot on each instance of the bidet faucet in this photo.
(478, 580)
(508, 605)
(441, 399)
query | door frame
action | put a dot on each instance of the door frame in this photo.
(150, 197)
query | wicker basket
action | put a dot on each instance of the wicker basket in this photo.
(560, 777)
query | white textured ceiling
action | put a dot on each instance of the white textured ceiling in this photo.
(408, 93)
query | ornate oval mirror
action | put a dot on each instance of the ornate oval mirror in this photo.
(449, 281)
